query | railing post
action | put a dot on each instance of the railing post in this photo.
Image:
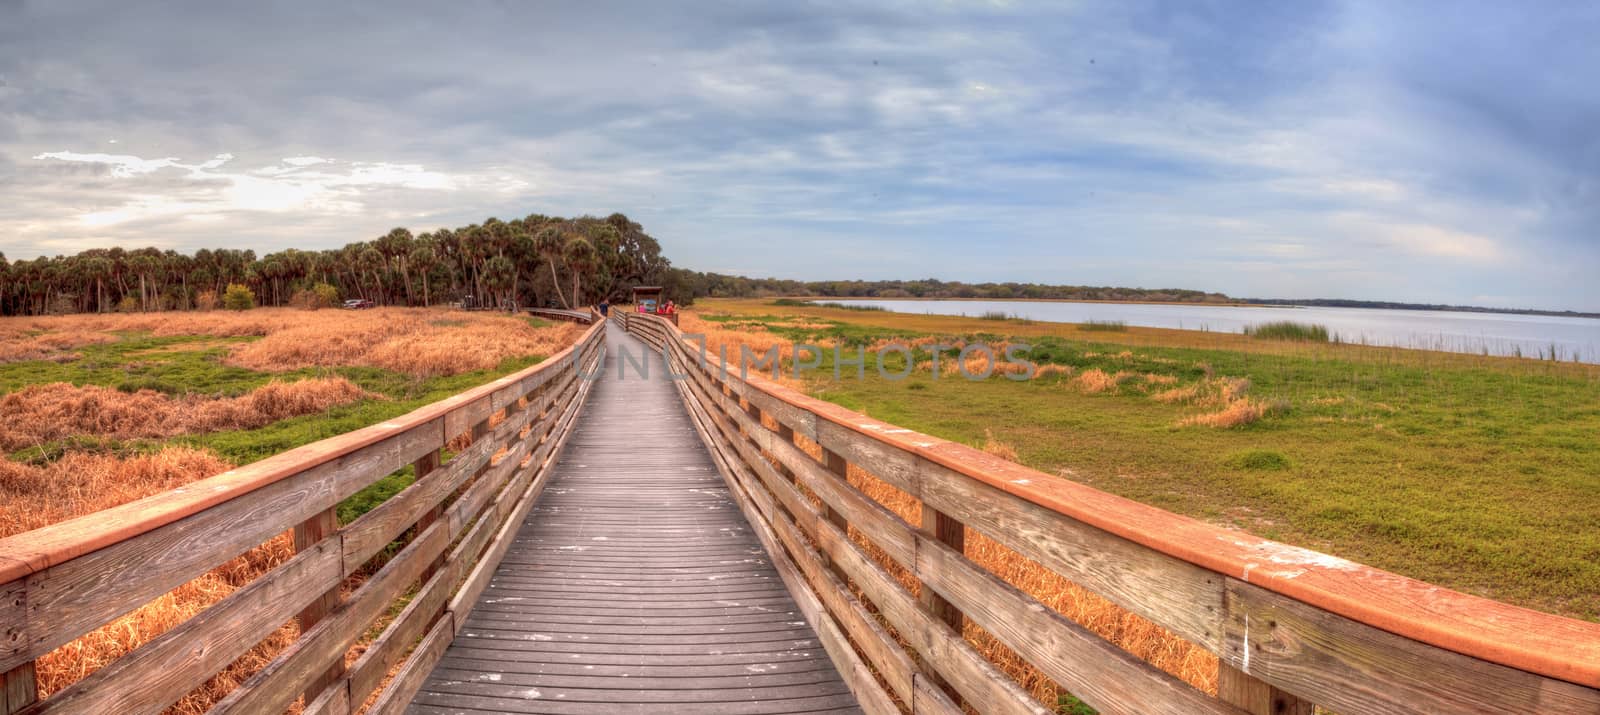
(18, 689)
(306, 535)
(1256, 696)
(421, 469)
(836, 464)
(945, 529)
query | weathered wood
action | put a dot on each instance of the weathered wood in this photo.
(333, 701)
(411, 675)
(886, 660)
(422, 470)
(73, 598)
(584, 580)
(940, 645)
(1098, 672)
(308, 534)
(161, 671)
(1352, 668)
(303, 663)
(891, 663)
(370, 532)
(1176, 595)
(402, 633)
(18, 689)
(1257, 697)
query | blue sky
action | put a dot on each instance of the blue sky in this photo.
(1420, 151)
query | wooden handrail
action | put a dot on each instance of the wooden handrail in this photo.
(65, 580)
(1290, 626)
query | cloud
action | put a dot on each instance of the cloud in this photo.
(289, 187)
(1306, 149)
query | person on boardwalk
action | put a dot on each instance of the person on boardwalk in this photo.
(605, 307)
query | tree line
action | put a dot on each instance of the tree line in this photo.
(533, 261)
(537, 260)
(682, 282)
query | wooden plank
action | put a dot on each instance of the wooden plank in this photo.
(292, 671)
(333, 701)
(401, 633)
(73, 598)
(1256, 696)
(308, 534)
(1106, 677)
(370, 532)
(163, 670)
(1353, 668)
(939, 645)
(397, 694)
(18, 688)
(857, 674)
(543, 602)
(890, 662)
(1176, 595)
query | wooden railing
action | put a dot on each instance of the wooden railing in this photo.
(446, 532)
(1292, 629)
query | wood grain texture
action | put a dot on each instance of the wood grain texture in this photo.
(161, 671)
(638, 546)
(1352, 668)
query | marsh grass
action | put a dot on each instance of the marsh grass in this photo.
(1104, 326)
(1288, 330)
(103, 410)
(1472, 472)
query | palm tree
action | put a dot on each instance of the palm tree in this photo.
(581, 258)
(550, 245)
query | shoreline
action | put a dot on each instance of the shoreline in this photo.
(1287, 304)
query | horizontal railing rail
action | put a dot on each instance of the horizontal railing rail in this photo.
(1291, 628)
(446, 532)
(574, 316)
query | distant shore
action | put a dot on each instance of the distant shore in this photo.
(1244, 303)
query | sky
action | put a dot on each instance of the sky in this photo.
(1435, 152)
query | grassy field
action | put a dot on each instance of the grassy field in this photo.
(97, 411)
(1477, 473)
(1481, 474)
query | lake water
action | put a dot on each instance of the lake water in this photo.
(1496, 333)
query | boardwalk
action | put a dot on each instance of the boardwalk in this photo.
(635, 585)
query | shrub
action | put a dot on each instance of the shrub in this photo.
(129, 304)
(206, 300)
(995, 315)
(238, 297)
(1106, 326)
(1288, 330)
(327, 295)
(1260, 459)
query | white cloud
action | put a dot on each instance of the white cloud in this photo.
(332, 188)
(122, 165)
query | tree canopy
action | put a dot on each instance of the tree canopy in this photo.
(535, 260)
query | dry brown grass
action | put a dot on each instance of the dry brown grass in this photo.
(417, 342)
(422, 342)
(18, 342)
(32, 496)
(1094, 380)
(77, 484)
(1236, 413)
(1140, 637)
(38, 414)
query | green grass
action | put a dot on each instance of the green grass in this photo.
(864, 308)
(129, 365)
(1479, 475)
(1288, 330)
